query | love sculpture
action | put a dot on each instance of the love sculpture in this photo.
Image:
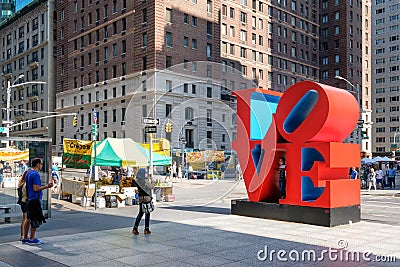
(306, 125)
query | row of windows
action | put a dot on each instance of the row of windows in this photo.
(392, 38)
(97, 57)
(391, 79)
(383, 129)
(32, 25)
(392, 28)
(391, 49)
(391, 99)
(24, 45)
(96, 38)
(391, 69)
(20, 63)
(325, 17)
(105, 8)
(391, 119)
(383, 109)
(98, 76)
(391, 59)
(303, 55)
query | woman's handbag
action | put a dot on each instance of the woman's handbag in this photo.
(147, 207)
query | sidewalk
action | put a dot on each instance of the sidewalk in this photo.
(196, 235)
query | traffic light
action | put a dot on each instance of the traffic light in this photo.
(75, 121)
(168, 127)
(364, 134)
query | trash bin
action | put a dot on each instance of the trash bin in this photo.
(158, 193)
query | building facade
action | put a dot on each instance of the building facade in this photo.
(386, 75)
(7, 8)
(345, 58)
(114, 58)
(28, 52)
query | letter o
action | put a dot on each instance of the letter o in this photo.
(314, 112)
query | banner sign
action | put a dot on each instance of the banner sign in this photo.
(14, 155)
(77, 153)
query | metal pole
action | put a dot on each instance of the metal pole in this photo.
(8, 111)
(151, 155)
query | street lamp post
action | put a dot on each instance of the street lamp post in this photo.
(354, 89)
(8, 109)
(357, 91)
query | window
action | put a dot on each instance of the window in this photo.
(194, 43)
(194, 21)
(168, 15)
(209, 51)
(186, 18)
(209, 6)
(243, 35)
(232, 13)
(209, 28)
(232, 31)
(194, 89)
(185, 41)
(325, 18)
(168, 39)
(144, 39)
(168, 61)
(168, 110)
(168, 86)
(243, 17)
(188, 114)
(209, 92)
(144, 16)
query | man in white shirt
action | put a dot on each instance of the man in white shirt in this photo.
(379, 178)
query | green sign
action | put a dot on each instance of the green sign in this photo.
(3, 130)
(393, 147)
(94, 129)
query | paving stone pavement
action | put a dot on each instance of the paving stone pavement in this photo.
(206, 236)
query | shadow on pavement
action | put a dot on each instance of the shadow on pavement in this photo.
(205, 209)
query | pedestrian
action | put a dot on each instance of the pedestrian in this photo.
(129, 172)
(379, 178)
(23, 202)
(223, 169)
(145, 186)
(392, 176)
(282, 177)
(239, 174)
(7, 170)
(174, 171)
(23, 167)
(372, 179)
(180, 174)
(354, 173)
(34, 190)
(1, 176)
(117, 178)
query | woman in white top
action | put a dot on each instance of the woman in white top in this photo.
(372, 179)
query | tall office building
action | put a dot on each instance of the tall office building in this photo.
(7, 8)
(386, 75)
(121, 58)
(27, 55)
(345, 60)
